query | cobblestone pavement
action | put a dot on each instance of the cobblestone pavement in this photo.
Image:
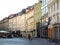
(23, 41)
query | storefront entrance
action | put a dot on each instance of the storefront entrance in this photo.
(38, 29)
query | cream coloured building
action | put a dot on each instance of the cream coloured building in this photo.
(14, 23)
(30, 20)
(21, 24)
(11, 22)
(54, 13)
(18, 22)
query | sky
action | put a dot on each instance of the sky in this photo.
(8, 7)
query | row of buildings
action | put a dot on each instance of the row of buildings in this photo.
(24, 21)
(34, 19)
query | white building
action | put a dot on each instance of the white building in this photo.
(54, 13)
(44, 11)
(44, 17)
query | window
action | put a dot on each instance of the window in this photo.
(57, 5)
(46, 1)
(51, 9)
(54, 16)
(46, 9)
(54, 7)
(59, 18)
(42, 11)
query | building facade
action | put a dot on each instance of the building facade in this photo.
(4, 24)
(44, 17)
(37, 18)
(21, 24)
(1, 25)
(54, 13)
(11, 22)
(14, 28)
(30, 20)
(14, 19)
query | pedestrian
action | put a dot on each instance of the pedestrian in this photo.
(29, 37)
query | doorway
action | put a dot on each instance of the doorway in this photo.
(38, 29)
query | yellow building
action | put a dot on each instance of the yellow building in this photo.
(37, 18)
(30, 20)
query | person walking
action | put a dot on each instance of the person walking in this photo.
(29, 37)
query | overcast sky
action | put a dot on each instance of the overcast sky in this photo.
(8, 7)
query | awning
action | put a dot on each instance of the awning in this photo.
(2, 31)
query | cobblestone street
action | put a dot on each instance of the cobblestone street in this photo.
(23, 41)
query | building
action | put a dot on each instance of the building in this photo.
(37, 18)
(14, 19)
(54, 13)
(4, 24)
(1, 25)
(44, 17)
(11, 22)
(21, 24)
(30, 20)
